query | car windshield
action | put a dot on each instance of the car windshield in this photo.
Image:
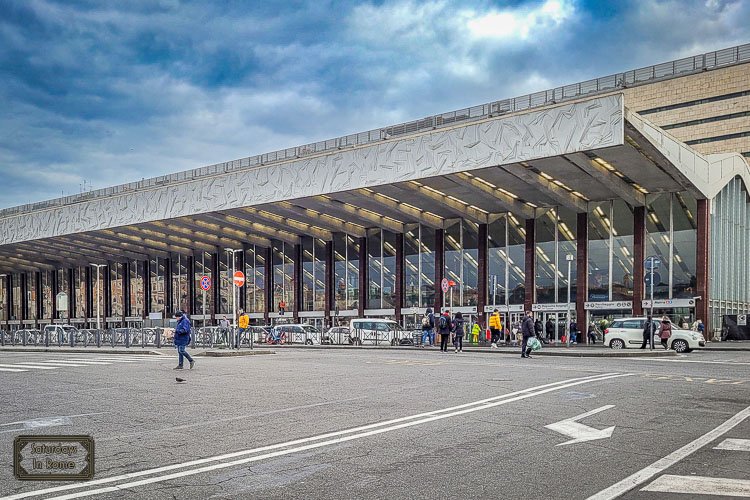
(70, 329)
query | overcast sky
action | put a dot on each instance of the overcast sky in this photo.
(111, 92)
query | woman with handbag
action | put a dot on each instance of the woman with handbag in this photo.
(665, 331)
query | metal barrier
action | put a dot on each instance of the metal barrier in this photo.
(662, 71)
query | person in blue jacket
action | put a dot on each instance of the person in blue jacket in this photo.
(182, 339)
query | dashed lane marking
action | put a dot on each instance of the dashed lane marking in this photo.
(734, 445)
(700, 485)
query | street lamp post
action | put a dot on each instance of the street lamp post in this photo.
(569, 258)
(234, 299)
(98, 295)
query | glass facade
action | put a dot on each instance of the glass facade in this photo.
(204, 301)
(283, 274)
(555, 239)
(610, 260)
(255, 280)
(461, 262)
(115, 287)
(136, 288)
(381, 255)
(79, 284)
(3, 297)
(346, 271)
(729, 286)
(47, 295)
(419, 266)
(156, 269)
(313, 274)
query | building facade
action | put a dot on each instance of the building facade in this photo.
(549, 202)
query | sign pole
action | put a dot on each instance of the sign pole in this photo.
(204, 308)
(651, 340)
(234, 303)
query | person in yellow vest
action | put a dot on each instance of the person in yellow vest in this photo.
(243, 323)
(496, 326)
(475, 330)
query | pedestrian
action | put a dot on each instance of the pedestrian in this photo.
(282, 307)
(573, 332)
(444, 323)
(700, 327)
(182, 339)
(496, 326)
(428, 326)
(458, 332)
(224, 330)
(527, 330)
(539, 329)
(549, 329)
(665, 331)
(648, 330)
(475, 331)
(243, 323)
(592, 333)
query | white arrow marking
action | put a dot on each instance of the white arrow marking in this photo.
(580, 432)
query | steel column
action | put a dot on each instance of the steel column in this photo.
(297, 281)
(107, 291)
(639, 255)
(364, 280)
(38, 291)
(329, 296)
(482, 268)
(24, 296)
(399, 284)
(268, 279)
(169, 309)
(71, 293)
(146, 288)
(126, 305)
(702, 264)
(191, 298)
(439, 267)
(216, 288)
(55, 290)
(530, 264)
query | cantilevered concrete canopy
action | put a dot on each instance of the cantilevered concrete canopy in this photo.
(561, 155)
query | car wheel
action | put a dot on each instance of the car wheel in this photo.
(393, 342)
(616, 344)
(680, 346)
(308, 342)
(357, 341)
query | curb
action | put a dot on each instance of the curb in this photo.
(223, 354)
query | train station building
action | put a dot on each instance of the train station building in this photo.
(549, 202)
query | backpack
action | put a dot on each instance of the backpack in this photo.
(426, 321)
(443, 322)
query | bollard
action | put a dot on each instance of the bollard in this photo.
(127, 337)
(193, 333)
(72, 338)
(98, 338)
(157, 333)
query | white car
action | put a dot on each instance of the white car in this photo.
(298, 333)
(628, 332)
(375, 331)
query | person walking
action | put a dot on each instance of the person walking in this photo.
(475, 331)
(573, 332)
(539, 330)
(445, 330)
(665, 331)
(648, 330)
(527, 330)
(428, 326)
(182, 339)
(243, 323)
(496, 326)
(592, 333)
(549, 329)
(458, 332)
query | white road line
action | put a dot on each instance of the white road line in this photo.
(11, 370)
(354, 433)
(716, 362)
(734, 445)
(700, 485)
(58, 416)
(659, 466)
(28, 365)
(71, 363)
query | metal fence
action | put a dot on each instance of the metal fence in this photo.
(649, 74)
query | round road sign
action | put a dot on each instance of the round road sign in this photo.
(206, 283)
(239, 278)
(444, 285)
(647, 278)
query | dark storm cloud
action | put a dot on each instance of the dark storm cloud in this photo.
(113, 92)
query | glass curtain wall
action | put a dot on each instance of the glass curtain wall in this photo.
(600, 246)
(730, 236)
(346, 271)
(546, 257)
(115, 288)
(610, 251)
(204, 264)
(313, 274)
(566, 245)
(622, 250)
(156, 268)
(31, 295)
(381, 253)
(224, 282)
(283, 274)
(516, 250)
(3, 298)
(497, 262)
(47, 294)
(419, 266)
(255, 280)
(136, 288)
(461, 264)
(16, 306)
(658, 241)
(79, 288)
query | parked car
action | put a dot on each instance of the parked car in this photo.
(60, 333)
(628, 333)
(298, 333)
(336, 335)
(375, 331)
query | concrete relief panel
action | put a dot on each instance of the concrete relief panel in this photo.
(563, 129)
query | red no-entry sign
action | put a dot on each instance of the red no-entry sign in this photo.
(239, 278)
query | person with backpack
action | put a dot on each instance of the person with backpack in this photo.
(182, 339)
(549, 329)
(573, 332)
(428, 328)
(458, 332)
(496, 326)
(648, 330)
(539, 330)
(445, 327)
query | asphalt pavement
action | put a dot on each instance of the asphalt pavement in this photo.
(315, 423)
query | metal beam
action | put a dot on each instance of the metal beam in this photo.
(245, 229)
(62, 257)
(177, 242)
(334, 224)
(199, 235)
(30, 265)
(506, 201)
(548, 187)
(115, 244)
(458, 207)
(415, 214)
(97, 247)
(137, 237)
(365, 217)
(608, 179)
(283, 223)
